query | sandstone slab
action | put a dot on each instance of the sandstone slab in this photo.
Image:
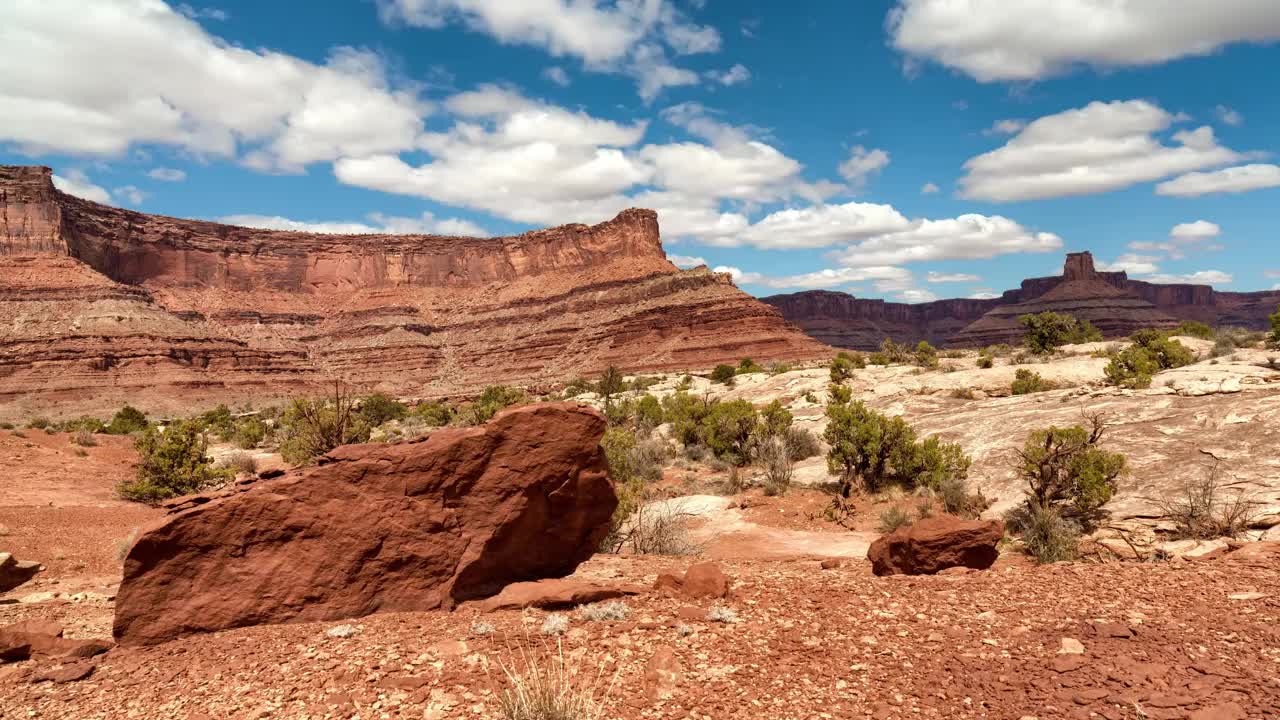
(14, 572)
(413, 526)
(935, 544)
(555, 593)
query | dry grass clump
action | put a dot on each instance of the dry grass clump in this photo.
(242, 462)
(84, 438)
(550, 688)
(1204, 509)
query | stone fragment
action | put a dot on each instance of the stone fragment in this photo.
(379, 528)
(555, 594)
(1071, 646)
(935, 544)
(662, 674)
(702, 580)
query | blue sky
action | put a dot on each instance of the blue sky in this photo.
(904, 149)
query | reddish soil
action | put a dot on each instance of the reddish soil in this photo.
(1173, 640)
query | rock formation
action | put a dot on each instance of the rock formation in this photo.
(841, 320)
(14, 572)
(414, 526)
(123, 306)
(935, 544)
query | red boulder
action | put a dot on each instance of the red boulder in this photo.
(935, 544)
(378, 528)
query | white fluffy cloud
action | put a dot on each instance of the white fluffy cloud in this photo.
(1005, 127)
(1229, 116)
(1243, 178)
(937, 277)
(998, 40)
(96, 78)
(557, 75)
(929, 189)
(818, 226)
(130, 194)
(733, 76)
(686, 261)
(885, 278)
(629, 36)
(1097, 148)
(167, 174)
(862, 164)
(379, 224)
(968, 237)
(1132, 263)
(916, 295)
(1195, 231)
(75, 182)
(1202, 277)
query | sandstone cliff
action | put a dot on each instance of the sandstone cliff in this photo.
(101, 305)
(842, 320)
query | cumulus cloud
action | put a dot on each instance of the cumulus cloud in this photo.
(557, 75)
(624, 37)
(1243, 178)
(1005, 127)
(937, 277)
(929, 189)
(1195, 231)
(997, 40)
(1132, 263)
(1182, 238)
(130, 194)
(167, 174)
(686, 261)
(984, 294)
(1229, 116)
(733, 76)
(916, 295)
(75, 182)
(425, 224)
(1203, 277)
(1097, 148)
(885, 278)
(968, 237)
(862, 164)
(96, 78)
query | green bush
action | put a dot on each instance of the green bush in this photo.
(577, 387)
(958, 501)
(774, 420)
(126, 421)
(649, 413)
(83, 424)
(896, 353)
(493, 399)
(779, 368)
(926, 355)
(39, 423)
(1151, 352)
(611, 383)
(841, 369)
(875, 450)
(1191, 328)
(723, 374)
(802, 443)
(434, 414)
(893, 518)
(685, 413)
(1065, 468)
(249, 432)
(1048, 331)
(171, 462)
(986, 362)
(313, 427)
(218, 421)
(747, 365)
(1026, 382)
(728, 429)
(879, 358)
(379, 408)
(1274, 338)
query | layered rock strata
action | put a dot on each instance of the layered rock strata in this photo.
(101, 305)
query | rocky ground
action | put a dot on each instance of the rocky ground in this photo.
(1195, 639)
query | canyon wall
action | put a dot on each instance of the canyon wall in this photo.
(101, 305)
(842, 320)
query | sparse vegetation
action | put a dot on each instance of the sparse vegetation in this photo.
(1046, 534)
(722, 614)
(872, 450)
(555, 624)
(171, 462)
(1066, 469)
(491, 400)
(892, 519)
(723, 374)
(610, 383)
(1026, 382)
(84, 438)
(612, 611)
(1049, 331)
(841, 369)
(379, 408)
(986, 362)
(241, 463)
(126, 421)
(433, 414)
(926, 355)
(38, 423)
(777, 464)
(313, 427)
(549, 689)
(802, 443)
(1205, 508)
(1151, 352)
(1274, 338)
(249, 432)
(1191, 328)
(747, 366)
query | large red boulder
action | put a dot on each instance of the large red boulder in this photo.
(935, 544)
(412, 526)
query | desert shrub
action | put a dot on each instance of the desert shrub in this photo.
(83, 438)
(926, 355)
(551, 689)
(722, 614)
(774, 420)
(614, 611)
(686, 382)
(434, 414)
(648, 412)
(241, 463)
(1151, 352)
(491, 400)
(171, 462)
(1066, 468)
(127, 420)
(312, 427)
(631, 497)
(1191, 328)
(620, 412)
(611, 383)
(893, 518)
(778, 368)
(776, 463)
(379, 408)
(83, 423)
(577, 387)
(896, 353)
(1203, 508)
(6, 426)
(841, 369)
(555, 624)
(802, 443)
(1026, 382)
(728, 430)
(723, 374)
(685, 413)
(249, 432)
(619, 446)
(857, 359)
(924, 507)
(747, 365)
(1046, 534)
(874, 450)
(218, 422)
(641, 383)
(964, 394)
(658, 528)
(1049, 331)
(1273, 338)
(986, 362)
(879, 358)
(957, 500)
(39, 423)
